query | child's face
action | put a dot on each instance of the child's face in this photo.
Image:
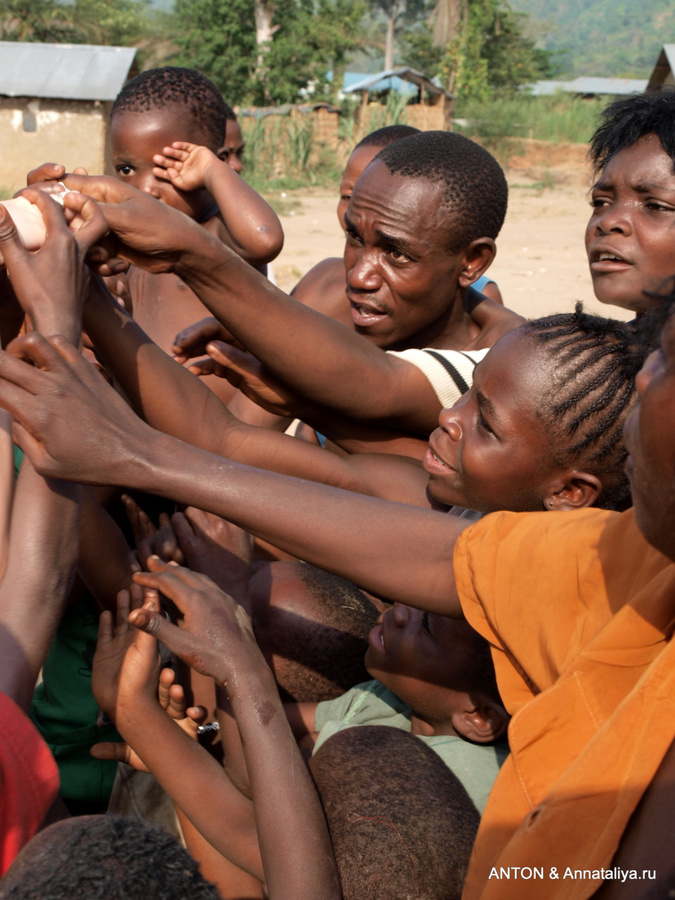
(136, 138)
(234, 144)
(356, 163)
(630, 238)
(491, 451)
(424, 658)
(649, 434)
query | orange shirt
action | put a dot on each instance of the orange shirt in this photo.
(579, 611)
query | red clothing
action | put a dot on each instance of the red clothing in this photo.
(579, 611)
(29, 780)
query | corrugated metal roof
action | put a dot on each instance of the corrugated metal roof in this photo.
(396, 79)
(589, 85)
(63, 71)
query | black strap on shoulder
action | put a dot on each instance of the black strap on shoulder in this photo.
(461, 385)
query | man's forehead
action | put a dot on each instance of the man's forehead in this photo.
(394, 186)
(405, 201)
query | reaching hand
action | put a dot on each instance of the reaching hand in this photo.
(193, 340)
(186, 166)
(215, 635)
(149, 233)
(172, 700)
(246, 372)
(69, 422)
(125, 669)
(151, 541)
(216, 548)
(50, 283)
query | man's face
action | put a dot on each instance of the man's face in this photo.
(136, 139)
(630, 238)
(649, 435)
(401, 278)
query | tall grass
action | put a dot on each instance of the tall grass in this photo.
(282, 153)
(561, 118)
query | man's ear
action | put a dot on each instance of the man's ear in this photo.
(482, 722)
(476, 260)
(575, 490)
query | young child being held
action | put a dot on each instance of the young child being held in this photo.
(168, 126)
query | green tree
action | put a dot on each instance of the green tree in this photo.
(218, 38)
(36, 20)
(308, 38)
(489, 53)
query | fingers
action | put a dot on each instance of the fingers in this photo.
(102, 188)
(46, 172)
(111, 750)
(123, 608)
(191, 341)
(105, 629)
(206, 366)
(89, 224)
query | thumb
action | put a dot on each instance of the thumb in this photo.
(9, 236)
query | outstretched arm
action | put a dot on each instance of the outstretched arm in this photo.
(73, 425)
(43, 538)
(174, 401)
(335, 363)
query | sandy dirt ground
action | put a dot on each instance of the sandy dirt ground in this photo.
(541, 265)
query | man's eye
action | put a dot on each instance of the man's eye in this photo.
(124, 170)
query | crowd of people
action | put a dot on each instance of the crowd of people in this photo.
(287, 609)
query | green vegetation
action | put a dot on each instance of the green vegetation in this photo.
(603, 38)
(561, 118)
(490, 56)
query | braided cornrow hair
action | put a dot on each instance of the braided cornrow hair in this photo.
(595, 361)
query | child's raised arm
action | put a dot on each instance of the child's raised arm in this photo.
(215, 637)
(251, 227)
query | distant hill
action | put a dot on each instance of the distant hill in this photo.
(609, 38)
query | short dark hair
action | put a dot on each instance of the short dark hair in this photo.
(475, 192)
(187, 90)
(325, 648)
(625, 121)
(593, 363)
(112, 858)
(382, 137)
(401, 823)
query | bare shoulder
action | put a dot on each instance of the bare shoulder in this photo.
(323, 289)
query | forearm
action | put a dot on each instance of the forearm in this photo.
(42, 555)
(251, 223)
(226, 821)
(292, 832)
(395, 551)
(168, 397)
(103, 561)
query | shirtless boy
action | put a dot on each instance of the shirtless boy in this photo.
(167, 127)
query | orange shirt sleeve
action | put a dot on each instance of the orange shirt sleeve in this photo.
(539, 586)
